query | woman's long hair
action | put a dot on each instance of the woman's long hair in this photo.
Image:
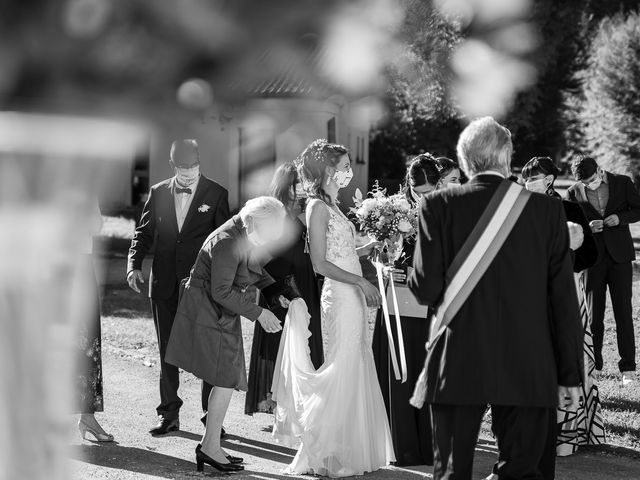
(423, 169)
(283, 184)
(544, 166)
(312, 164)
(446, 166)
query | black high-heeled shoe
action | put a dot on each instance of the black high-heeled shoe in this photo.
(202, 458)
(231, 458)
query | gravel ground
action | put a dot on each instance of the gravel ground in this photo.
(131, 396)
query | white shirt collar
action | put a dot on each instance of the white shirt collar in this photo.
(489, 172)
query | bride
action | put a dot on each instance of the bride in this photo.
(337, 411)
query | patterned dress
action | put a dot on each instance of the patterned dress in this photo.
(584, 426)
(88, 378)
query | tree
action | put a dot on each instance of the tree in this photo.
(593, 12)
(420, 117)
(536, 118)
(610, 114)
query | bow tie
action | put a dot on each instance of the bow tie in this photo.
(183, 190)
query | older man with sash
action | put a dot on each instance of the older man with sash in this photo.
(493, 260)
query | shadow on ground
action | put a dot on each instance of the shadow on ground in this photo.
(256, 448)
(135, 460)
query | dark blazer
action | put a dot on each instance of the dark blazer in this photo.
(206, 338)
(624, 201)
(519, 334)
(587, 255)
(175, 252)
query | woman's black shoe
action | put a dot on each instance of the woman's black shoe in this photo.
(235, 460)
(202, 458)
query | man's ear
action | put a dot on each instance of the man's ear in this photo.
(171, 164)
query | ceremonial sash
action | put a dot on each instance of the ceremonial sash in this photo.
(472, 262)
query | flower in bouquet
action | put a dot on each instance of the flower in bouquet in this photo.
(386, 218)
(405, 226)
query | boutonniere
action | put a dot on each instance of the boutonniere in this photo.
(203, 208)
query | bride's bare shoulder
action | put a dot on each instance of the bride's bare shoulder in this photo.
(315, 206)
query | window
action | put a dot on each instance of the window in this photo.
(331, 130)
(359, 150)
(257, 162)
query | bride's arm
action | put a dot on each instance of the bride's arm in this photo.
(317, 225)
(366, 249)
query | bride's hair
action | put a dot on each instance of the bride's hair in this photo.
(312, 164)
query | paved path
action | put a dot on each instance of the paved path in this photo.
(131, 396)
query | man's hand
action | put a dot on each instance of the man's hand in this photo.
(596, 226)
(269, 321)
(133, 277)
(576, 235)
(568, 397)
(612, 221)
(399, 275)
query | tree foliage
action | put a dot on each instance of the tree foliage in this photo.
(609, 116)
(536, 117)
(421, 117)
(546, 119)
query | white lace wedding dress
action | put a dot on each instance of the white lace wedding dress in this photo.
(337, 411)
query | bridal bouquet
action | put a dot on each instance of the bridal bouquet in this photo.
(389, 219)
(386, 218)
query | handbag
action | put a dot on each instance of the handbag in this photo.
(471, 263)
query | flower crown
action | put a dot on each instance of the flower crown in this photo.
(316, 151)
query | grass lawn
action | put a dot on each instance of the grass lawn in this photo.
(117, 227)
(621, 404)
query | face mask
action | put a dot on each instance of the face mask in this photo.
(595, 184)
(187, 176)
(537, 186)
(343, 177)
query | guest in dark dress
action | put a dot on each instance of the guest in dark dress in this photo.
(291, 265)
(88, 377)
(410, 427)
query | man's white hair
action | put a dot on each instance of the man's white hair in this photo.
(261, 208)
(485, 145)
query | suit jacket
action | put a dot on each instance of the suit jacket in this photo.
(586, 256)
(175, 252)
(206, 337)
(519, 334)
(624, 201)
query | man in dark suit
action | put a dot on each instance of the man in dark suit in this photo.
(516, 342)
(611, 203)
(178, 216)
